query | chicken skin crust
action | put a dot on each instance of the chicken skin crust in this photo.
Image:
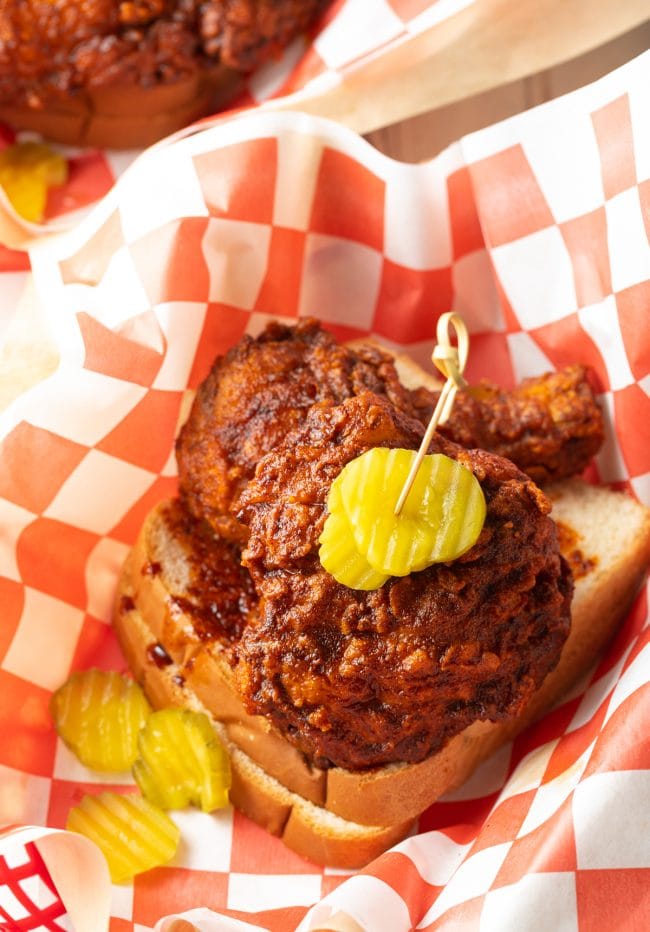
(550, 426)
(254, 396)
(362, 679)
(49, 48)
(263, 388)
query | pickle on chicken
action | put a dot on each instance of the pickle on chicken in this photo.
(441, 519)
(364, 543)
(338, 552)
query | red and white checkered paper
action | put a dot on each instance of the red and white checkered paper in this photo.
(349, 36)
(536, 230)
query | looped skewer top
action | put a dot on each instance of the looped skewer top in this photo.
(451, 361)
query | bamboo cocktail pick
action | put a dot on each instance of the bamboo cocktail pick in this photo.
(451, 361)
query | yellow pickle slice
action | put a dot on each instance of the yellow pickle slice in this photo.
(27, 171)
(338, 553)
(98, 713)
(182, 761)
(133, 834)
(441, 519)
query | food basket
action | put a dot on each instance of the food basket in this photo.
(536, 230)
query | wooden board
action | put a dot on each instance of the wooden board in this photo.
(421, 137)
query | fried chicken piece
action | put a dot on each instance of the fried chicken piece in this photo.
(243, 33)
(549, 426)
(254, 395)
(51, 47)
(361, 679)
(261, 389)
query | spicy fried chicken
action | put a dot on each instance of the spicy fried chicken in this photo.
(254, 395)
(360, 679)
(49, 48)
(263, 388)
(549, 426)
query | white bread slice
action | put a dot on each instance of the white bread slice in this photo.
(608, 534)
(304, 827)
(205, 669)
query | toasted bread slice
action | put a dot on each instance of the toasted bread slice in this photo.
(305, 827)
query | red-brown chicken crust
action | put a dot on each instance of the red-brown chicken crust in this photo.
(262, 389)
(550, 426)
(254, 396)
(49, 48)
(361, 679)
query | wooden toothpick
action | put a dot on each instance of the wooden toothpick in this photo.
(450, 360)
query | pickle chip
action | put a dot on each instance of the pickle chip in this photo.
(133, 834)
(182, 761)
(338, 553)
(27, 171)
(441, 519)
(98, 713)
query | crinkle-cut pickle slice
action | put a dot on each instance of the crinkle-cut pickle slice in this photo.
(441, 519)
(182, 761)
(98, 713)
(338, 553)
(27, 171)
(133, 834)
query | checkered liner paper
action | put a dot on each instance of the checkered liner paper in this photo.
(351, 35)
(536, 230)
